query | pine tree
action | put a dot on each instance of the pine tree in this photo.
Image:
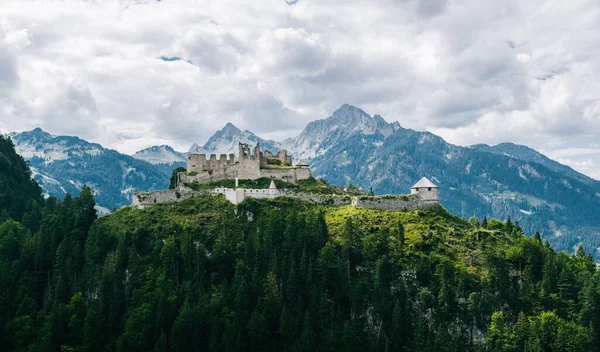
(175, 177)
(484, 223)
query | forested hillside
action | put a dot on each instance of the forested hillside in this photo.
(283, 275)
(19, 194)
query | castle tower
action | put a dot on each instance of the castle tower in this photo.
(427, 190)
(257, 151)
(244, 150)
(273, 189)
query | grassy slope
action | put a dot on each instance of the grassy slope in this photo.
(426, 231)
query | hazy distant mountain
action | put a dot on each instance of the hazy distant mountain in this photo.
(164, 158)
(63, 164)
(161, 154)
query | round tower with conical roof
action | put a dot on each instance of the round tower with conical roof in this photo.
(426, 190)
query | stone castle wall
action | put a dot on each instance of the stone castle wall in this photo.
(427, 194)
(412, 202)
(199, 162)
(245, 170)
(247, 165)
(281, 155)
(144, 199)
(291, 175)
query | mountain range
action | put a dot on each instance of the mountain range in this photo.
(63, 164)
(352, 146)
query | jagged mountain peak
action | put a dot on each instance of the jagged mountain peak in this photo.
(194, 148)
(346, 121)
(230, 125)
(38, 130)
(37, 134)
(225, 141)
(230, 128)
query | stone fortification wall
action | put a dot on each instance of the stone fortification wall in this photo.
(236, 196)
(291, 175)
(243, 169)
(412, 202)
(325, 199)
(199, 162)
(246, 169)
(143, 199)
(246, 165)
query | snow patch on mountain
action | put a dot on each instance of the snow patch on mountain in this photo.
(50, 148)
(46, 180)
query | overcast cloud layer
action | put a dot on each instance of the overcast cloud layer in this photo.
(131, 74)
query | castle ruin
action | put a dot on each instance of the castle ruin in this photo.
(248, 164)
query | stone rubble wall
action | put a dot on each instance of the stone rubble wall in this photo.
(246, 170)
(394, 203)
(143, 199)
(413, 202)
(318, 198)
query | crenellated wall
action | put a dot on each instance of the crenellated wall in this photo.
(247, 165)
(199, 162)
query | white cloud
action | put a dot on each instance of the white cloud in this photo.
(471, 71)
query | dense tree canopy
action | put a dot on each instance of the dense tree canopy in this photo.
(19, 194)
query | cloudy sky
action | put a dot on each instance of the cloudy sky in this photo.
(131, 74)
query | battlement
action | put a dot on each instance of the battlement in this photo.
(211, 157)
(250, 163)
